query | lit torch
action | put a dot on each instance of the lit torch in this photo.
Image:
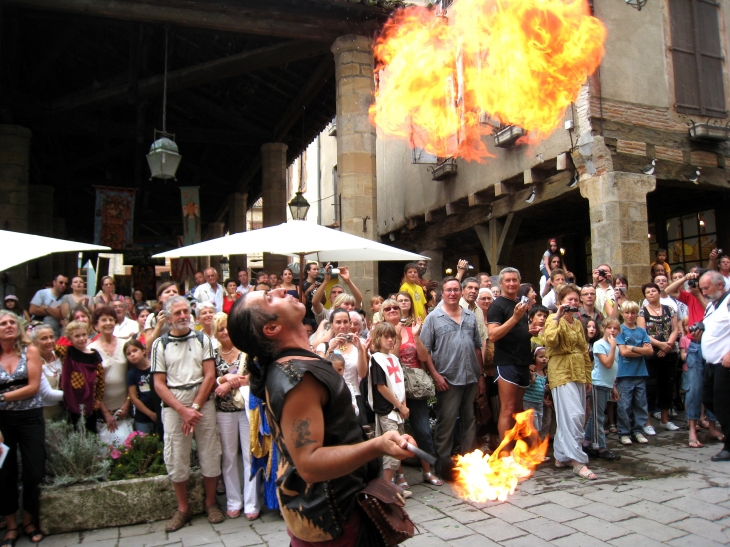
(481, 478)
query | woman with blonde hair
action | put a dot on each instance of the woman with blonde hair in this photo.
(22, 428)
(231, 405)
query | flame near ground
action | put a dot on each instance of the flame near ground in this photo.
(520, 62)
(482, 478)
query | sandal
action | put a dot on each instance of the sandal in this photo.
(694, 443)
(178, 520)
(612, 428)
(717, 436)
(560, 464)
(32, 532)
(252, 516)
(431, 479)
(233, 514)
(401, 481)
(10, 542)
(583, 472)
(215, 515)
(704, 423)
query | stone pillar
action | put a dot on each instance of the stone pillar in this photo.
(14, 161)
(356, 171)
(214, 231)
(236, 224)
(619, 224)
(273, 194)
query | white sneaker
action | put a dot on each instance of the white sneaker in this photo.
(673, 413)
(658, 415)
(649, 430)
(625, 439)
(640, 438)
(669, 426)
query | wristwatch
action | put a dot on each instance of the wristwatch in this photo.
(195, 406)
(2, 397)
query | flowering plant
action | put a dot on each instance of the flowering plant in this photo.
(140, 455)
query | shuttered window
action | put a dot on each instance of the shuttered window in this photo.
(698, 57)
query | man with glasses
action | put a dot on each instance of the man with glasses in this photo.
(125, 327)
(451, 336)
(46, 304)
(588, 304)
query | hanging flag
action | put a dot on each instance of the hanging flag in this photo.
(191, 214)
(113, 217)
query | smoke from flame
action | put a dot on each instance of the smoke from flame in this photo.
(520, 62)
(494, 478)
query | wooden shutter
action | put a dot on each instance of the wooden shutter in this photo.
(697, 58)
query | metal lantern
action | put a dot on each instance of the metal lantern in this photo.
(163, 158)
(299, 207)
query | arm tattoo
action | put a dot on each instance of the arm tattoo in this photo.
(300, 433)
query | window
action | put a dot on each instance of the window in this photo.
(697, 57)
(690, 239)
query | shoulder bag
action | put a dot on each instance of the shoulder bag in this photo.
(383, 502)
(419, 385)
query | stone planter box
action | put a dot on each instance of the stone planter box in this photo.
(114, 503)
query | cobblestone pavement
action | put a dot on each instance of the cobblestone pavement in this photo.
(663, 493)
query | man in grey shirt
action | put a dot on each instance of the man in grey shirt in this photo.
(46, 304)
(451, 336)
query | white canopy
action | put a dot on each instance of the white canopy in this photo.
(297, 237)
(18, 248)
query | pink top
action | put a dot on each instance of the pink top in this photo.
(408, 353)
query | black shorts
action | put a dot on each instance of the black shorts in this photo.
(518, 375)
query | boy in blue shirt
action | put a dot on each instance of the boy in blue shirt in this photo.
(634, 345)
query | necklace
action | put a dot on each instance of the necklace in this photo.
(227, 352)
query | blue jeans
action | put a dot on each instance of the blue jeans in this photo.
(631, 397)
(536, 415)
(420, 423)
(695, 370)
(595, 433)
(144, 427)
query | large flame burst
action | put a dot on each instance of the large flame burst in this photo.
(494, 478)
(520, 62)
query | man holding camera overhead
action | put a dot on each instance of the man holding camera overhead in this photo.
(696, 303)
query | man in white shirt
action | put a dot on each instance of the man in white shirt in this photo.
(125, 327)
(557, 278)
(46, 304)
(243, 285)
(210, 291)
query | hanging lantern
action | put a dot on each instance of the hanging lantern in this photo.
(299, 206)
(163, 158)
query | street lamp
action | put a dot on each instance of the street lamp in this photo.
(225, 267)
(299, 207)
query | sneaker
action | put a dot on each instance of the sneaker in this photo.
(640, 438)
(625, 439)
(669, 426)
(658, 415)
(649, 430)
(673, 413)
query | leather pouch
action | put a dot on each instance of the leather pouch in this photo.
(383, 503)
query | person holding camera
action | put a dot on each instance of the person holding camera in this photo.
(318, 300)
(716, 349)
(695, 361)
(721, 263)
(570, 371)
(510, 332)
(602, 278)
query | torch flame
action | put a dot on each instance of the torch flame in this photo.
(521, 62)
(479, 478)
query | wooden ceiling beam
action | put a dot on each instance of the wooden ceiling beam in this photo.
(203, 73)
(205, 16)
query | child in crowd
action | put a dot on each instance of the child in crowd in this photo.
(387, 396)
(338, 363)
(412, 287)
(661, 259)
(537, 316)
(82, 377)
(535, 394)
(605, 369)
(375, 303)
(545, 262)
(592, 334)
(634, 346)
(141, 387)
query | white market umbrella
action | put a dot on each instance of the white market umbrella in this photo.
(18, 247)
(297, 237)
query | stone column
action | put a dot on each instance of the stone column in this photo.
(14, 161)
(273, 194)
(237, 224)
(214, 231)
(619, 224)
(356, 170)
